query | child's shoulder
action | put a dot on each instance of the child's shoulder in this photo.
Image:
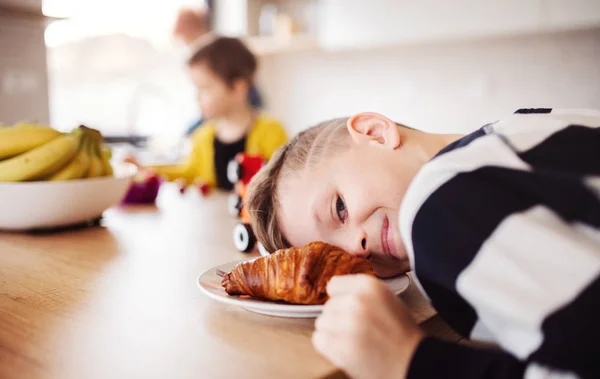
(266, 121)
(204, 131)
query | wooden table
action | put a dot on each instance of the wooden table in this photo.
(120, 301)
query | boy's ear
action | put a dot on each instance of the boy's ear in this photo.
(240, 85)
(374, 128)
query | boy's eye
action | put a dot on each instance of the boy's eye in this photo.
(340, 209)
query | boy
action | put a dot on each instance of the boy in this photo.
(501, 228)
(223, 70)
(191, 25)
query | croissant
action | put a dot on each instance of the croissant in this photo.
(295, 275)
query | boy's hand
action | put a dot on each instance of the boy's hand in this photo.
(365, 329)
(386, 267)
(132, 159)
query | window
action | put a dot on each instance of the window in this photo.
(114, 65)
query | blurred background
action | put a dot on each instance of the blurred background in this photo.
(433, 64)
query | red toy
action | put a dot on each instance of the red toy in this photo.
(239, 172)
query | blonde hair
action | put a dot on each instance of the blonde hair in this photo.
(306, 149)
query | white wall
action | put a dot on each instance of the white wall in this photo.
(443, 87)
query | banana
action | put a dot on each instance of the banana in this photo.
(77, 168)
(23, 137)
(95, 168)
(106, 155)
(43, 160)
(107, 152)
(108, 170)
(102, 152)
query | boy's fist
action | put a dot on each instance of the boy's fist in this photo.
(365, 329)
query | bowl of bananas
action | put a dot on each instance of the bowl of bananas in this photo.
(50, 179)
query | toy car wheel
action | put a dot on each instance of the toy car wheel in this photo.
(262, 250)
(234, 171)
(243, 238)
(234, 205)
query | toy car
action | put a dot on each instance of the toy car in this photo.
(239, 172)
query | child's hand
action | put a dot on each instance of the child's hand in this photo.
(365, 329)
(131, 159)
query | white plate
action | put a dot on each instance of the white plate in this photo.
(210, 283)
(35, 205)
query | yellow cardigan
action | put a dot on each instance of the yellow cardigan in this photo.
(265, 137)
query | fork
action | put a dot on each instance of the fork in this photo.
(221, 273)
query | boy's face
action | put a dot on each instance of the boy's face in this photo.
(352, 198)
(215, 97)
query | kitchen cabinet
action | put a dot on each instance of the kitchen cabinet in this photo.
(30, 7)
(269, 26)
(23, 71)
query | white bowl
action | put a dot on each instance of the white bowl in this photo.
(39, 205)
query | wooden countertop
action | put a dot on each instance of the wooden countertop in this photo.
(120, 301)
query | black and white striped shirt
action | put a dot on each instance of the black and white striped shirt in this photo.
(503, 233)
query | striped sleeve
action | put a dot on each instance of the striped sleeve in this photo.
(504, 238)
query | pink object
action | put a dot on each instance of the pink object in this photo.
(144, 192)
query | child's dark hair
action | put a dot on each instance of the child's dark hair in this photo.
(227, 57)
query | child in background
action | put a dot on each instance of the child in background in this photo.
(191, 25)
(223, 71)
(500, 227)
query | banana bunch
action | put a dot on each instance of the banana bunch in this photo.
(32, 152)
